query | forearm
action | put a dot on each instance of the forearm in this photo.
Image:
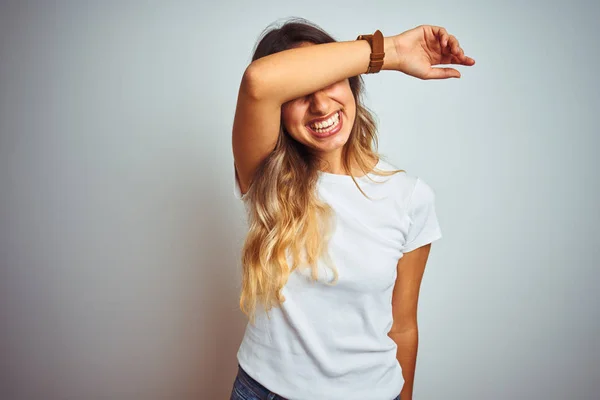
(300, 71)
(407, 342)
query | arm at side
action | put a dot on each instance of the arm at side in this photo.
(408, 344)
(405, 300)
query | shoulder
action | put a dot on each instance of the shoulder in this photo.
(403, 181)
(410, 188)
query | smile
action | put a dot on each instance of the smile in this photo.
(325, 129)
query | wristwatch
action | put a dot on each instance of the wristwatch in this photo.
(377, 54)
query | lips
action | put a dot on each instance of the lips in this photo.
(321, 135)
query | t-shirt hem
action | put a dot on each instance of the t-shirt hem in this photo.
(268, 369)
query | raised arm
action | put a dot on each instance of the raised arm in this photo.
(271, 81)
(311, 68)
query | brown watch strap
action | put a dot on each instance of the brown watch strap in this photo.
(377, 54)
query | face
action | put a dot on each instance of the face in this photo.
(333, 104)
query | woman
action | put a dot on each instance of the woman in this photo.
(338, 238)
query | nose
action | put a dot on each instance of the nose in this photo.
(319, 103)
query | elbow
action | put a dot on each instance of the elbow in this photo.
(251, 83)
(405, 328)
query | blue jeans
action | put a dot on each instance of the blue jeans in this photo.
(246, 388)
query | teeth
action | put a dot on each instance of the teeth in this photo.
(327, 124)
(328, 129)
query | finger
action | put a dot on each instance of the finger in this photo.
(459, 61)
(457, 56)
(445, 44)
(447, 49)
(442, 35)
(455, 46)
(444, 38)
(442, 73)
(463, 59)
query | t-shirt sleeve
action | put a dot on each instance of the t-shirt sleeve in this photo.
(424, 227)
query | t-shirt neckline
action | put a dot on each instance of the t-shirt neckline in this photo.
(329, 177)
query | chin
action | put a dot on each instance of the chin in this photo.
(333, 143)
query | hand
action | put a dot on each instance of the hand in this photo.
(416, 51)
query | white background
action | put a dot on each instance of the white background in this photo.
(120, 236)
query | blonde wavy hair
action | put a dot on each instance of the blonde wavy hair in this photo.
(284, 211)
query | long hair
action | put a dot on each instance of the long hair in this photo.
(285, 216)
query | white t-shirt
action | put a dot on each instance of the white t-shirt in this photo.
(330, 342)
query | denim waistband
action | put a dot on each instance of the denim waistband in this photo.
(256, 387)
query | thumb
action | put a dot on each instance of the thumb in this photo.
(442, 73)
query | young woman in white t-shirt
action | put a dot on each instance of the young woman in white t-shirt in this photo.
(338, 238)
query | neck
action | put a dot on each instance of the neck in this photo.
(334, 165)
